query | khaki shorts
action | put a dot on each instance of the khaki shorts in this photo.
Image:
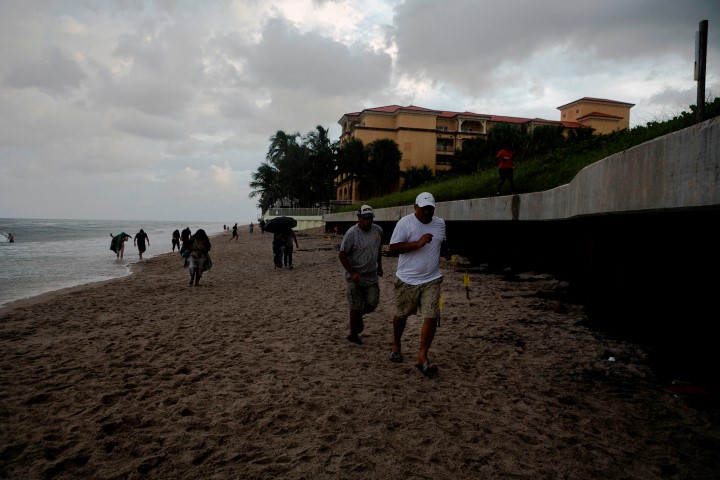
(360, 295)
(423, 300)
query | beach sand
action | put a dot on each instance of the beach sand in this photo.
(250, 376)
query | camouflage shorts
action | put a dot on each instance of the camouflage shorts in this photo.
(423, 300)
(360, 295)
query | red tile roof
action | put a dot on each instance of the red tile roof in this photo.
(495, 118)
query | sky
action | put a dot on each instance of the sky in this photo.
(162, 110)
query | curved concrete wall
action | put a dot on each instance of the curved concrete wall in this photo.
(680, 170)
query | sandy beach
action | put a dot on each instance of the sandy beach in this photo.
(249, 375)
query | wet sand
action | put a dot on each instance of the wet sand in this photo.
(250, 376)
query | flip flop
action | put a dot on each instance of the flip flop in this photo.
(396, 357)
(428, 369)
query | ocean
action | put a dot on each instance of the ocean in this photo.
(49, 255)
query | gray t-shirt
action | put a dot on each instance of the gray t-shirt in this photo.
(362, 249)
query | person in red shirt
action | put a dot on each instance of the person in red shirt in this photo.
(505, 169)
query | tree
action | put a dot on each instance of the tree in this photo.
(383, 167)
(473, 155)
(321, 167)
(414, 177)
(546, 138)
(301, 172)
(280, 144)
(283, 155)
(265, 185)
(352, 160)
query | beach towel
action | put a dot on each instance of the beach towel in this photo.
(117, 241)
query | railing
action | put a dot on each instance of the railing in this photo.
(334, 206)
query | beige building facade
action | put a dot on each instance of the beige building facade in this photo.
(603, 116)
(429, 138)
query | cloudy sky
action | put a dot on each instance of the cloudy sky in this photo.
(161, 110)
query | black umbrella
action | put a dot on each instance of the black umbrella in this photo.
(279, 224)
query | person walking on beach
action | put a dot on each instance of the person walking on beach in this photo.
(117, 244)
(176, 240)
(234, 233)
(505, 170)
(419, 240)
(288, 237)
(140, 238)
(199, 259)
(185, 248)
(361, 257)
(252, 227)
(277, 249)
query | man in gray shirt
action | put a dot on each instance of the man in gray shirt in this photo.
(361, 256)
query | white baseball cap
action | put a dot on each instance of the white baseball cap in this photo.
(425, 199)
(366, 211)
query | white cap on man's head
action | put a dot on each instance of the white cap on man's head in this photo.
(425, 199)
(366, 211)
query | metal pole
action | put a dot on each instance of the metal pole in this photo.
(702, 58)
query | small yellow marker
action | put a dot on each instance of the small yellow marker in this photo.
(466, 282)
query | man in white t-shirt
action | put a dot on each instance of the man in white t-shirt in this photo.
(419, 239)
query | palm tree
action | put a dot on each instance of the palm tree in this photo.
(265, 185)
(280, 144)
(321, 159)
(282, 154)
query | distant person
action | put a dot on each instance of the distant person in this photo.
(176, 240)
(117, 244)
(234, 233)
(252, 227)
(185, 246)
(419, 240)
(140, 238)
(361, 257)
(277, 249)
(199, 258)
(505, 170)
(288, 238)
(261, 223)
(10, 238)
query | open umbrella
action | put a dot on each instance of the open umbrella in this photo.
(279, 224)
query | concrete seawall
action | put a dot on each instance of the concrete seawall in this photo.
(634, 235)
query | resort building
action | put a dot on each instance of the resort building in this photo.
(429, 138)
(603, 116)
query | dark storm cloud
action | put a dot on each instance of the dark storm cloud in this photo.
(287, 58)
(53, 72)
(471, 38)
